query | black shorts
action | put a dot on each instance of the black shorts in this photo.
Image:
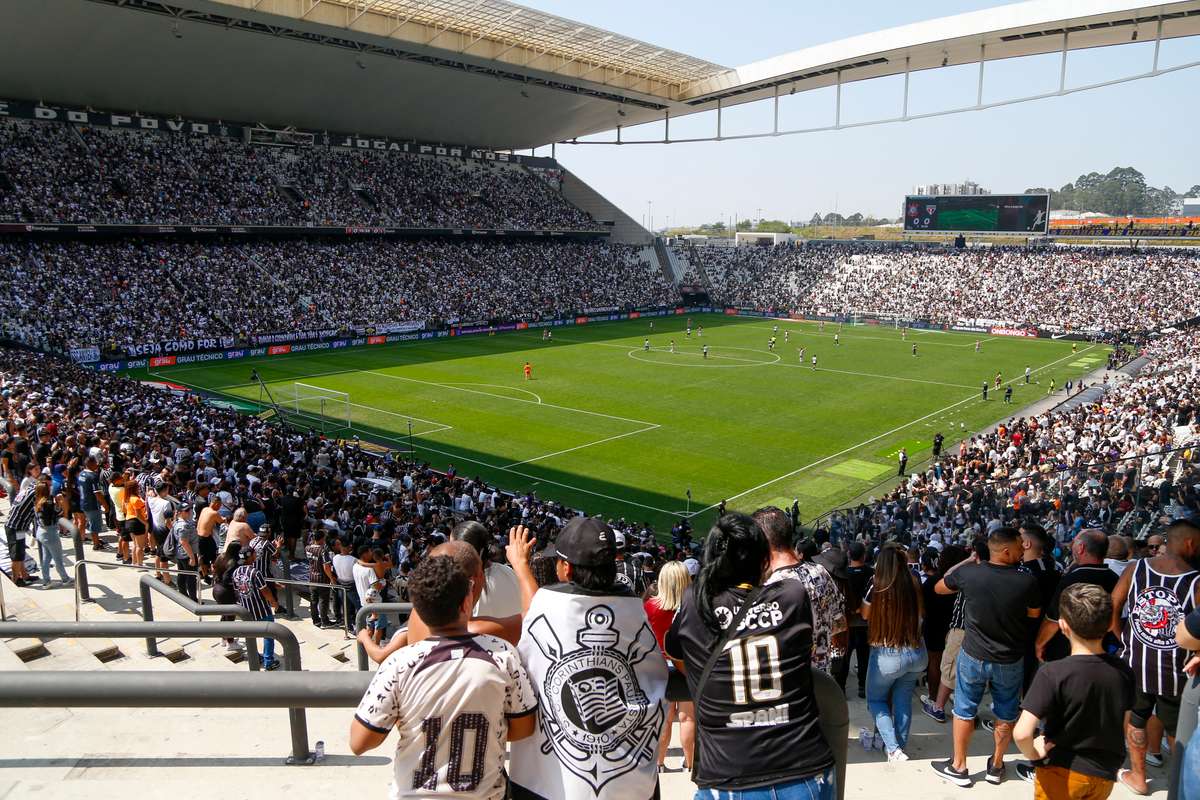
(134, 527)
(123, 531)
(208, 550)
(160, 539)
(1166, 708)
(16, 547)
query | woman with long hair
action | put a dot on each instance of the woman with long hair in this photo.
(49, 542)
(938, 610)
(661, 607)
(223, 591)
(136, 517)
(892, 607)
(758, 732)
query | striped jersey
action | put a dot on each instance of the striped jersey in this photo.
(1156, 604)
(248, 582)
(450, 700)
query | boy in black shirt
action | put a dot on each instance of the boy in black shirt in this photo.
(1081, 700)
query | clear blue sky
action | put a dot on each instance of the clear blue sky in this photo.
(1152, 125)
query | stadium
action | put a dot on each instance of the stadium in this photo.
(329, 384)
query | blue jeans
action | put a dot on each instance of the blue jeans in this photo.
(891, 676)
(818, 787)
(268, 644)
(95, 520)
(50, 549)
(973, 678)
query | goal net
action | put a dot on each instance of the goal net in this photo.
(315, 407)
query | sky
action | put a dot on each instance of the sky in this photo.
(1151, 125)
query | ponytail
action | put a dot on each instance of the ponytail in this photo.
(734, 553)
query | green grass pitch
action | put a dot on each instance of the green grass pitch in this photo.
(613, 429)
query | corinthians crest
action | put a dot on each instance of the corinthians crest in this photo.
(596, 717)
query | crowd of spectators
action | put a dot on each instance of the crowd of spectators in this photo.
(59, 172)
(1077, 289)
(115, 293)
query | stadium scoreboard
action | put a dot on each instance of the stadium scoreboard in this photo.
(987, 213)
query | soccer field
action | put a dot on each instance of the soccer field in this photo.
(611, 428)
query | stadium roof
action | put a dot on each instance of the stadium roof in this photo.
(481, 72)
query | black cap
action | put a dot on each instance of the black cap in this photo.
(585, 542)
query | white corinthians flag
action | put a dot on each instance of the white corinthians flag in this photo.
(600, 679)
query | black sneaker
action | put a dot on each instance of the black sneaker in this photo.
(947, 772)
(271, 667)
(995, 773)
(1025, 771)
(988, 725)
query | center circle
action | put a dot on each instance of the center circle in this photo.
(638, 354)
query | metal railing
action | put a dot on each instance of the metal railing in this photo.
(334, 586)
(82, 564)
(148, 584)
(398, 609)
(3, 608)
(194, 689)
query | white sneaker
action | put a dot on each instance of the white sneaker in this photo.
(897, 755)
(234, 646)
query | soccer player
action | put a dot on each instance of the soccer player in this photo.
(1008, 395)
(700, 331)
(771, 343)
(814, 361)
(1051, 389)
(652, 326)
(1074, 347)
(999, 380)
(904, 333)
(837, 338)
(914, 349)
(802, 355)
(549, 335)
(672, 345)
(1027, 374)
(646, 345)
(528, 371)
(787, 335)
(822, 328)
(443, 691)
(774, 329)
(985, 390)
(978, 344)
(705, 351)
(688, 333)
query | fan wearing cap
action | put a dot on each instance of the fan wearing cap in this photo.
(595, 665)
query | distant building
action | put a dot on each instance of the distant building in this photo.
(942, 189)
(1191, 206)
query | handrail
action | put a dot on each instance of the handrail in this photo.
(371, 608)
(335, 586)
(79, 564)
(148, 584)
(222, 630)
(3, 609)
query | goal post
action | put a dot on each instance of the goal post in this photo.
(327, 409)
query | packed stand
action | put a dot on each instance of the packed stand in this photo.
(58, 172)
(143, 290)
(1071, 289)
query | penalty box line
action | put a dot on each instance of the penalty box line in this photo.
(897, 429)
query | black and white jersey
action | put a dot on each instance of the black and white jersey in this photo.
(1156, 604)
(248, 582)
(450, 700)
(629, 576)
(757, 716)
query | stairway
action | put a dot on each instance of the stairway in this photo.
(625, 230)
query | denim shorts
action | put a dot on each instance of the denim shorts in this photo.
(817, 787)
(974, 676)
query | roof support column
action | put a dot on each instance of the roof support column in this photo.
(1062, 73)
(907, 74)
(1157, 44)
(837, 113)
(979, 89)
(718, 119)
(775, 130)
(667, 126)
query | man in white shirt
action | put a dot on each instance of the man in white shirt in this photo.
(501, 593)
(455, 698)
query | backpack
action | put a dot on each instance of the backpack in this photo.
(170, 548)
